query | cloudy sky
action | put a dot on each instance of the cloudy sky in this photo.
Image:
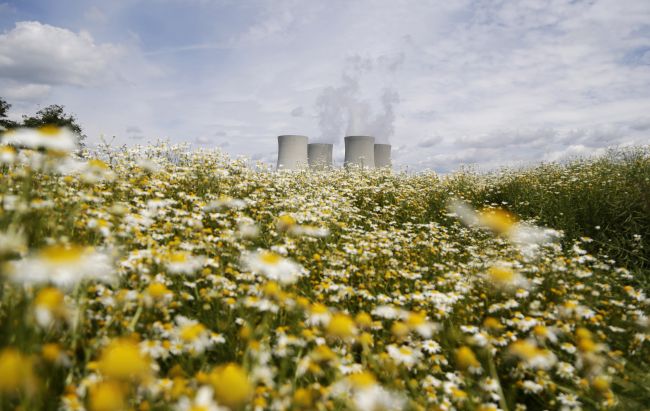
(447, 83)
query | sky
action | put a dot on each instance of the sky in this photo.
(447, 83)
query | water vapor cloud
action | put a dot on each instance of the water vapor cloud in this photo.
(355, 107)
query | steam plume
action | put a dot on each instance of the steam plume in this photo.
(348, 109)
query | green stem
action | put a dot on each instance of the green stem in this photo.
(135, 319)
(494, 375)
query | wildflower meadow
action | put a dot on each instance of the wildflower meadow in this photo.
(162, 278)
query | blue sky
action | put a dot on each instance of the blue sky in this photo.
(489, 83)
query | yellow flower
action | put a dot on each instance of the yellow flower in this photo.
(231, 385)
(363, 319)
(158, 290)
(272, 289)
(362, 380)
(49, 130)
(492, 323)
(341, 326)
(62, 254)
(51, 352)
(270, 258)
(465, 358)
(323, 353)
(122, 360)
(600, 383)
(505, 278)
(16, 372)
(303, 398)
(524, 349)
(585, 342)
(107, 396)
(399, 329)
(500, 274)
(97, 164)
(50, 298)
(285, 222)
(366, 339)
(458, 394)
(496, 219)
(416, 319)
(191, 331)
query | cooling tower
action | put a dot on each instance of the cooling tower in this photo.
(382, 155)
(292, 152)
(360, 151)
(319, 155)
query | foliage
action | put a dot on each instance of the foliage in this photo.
(55, 115)
(606, 199)
(4, 121)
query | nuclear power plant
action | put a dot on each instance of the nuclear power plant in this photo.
(292, 152)
(295, 152)
(360, 151)
(319, 155)
(382, 155)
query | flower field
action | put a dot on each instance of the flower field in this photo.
(153, 278)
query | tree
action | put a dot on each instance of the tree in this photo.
(4, 121)
(54, 115)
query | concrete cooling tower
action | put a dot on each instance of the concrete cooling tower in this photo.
(319, 155)
(360, 151)
(382, 156)
(292, 152)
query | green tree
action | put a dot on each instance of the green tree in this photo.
(4, 121)
(54, 115)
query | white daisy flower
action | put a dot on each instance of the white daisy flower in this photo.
(377, 398)
(64, 266)
(204, 401)
(181, 262)
(404, 355)
(273, 266)
(48, 137)
(193, 336)
(430, 347)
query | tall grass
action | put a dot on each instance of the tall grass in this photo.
(606, 199)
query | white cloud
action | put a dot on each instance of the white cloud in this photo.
(42, 54)
(25, 92)
(481, 82)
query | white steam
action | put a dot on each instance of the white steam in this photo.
(364, 103)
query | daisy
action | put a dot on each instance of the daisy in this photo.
(60, 139)
(430, 347)
(194, 337)
(533, 356)
(203, 401)
(49, 305)
(12, 241)
(502, 276)
(273, 266)
(404, 355)
(377, 398)
(64, 266)
(225, 203)
(181, 262)
(7, 155)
